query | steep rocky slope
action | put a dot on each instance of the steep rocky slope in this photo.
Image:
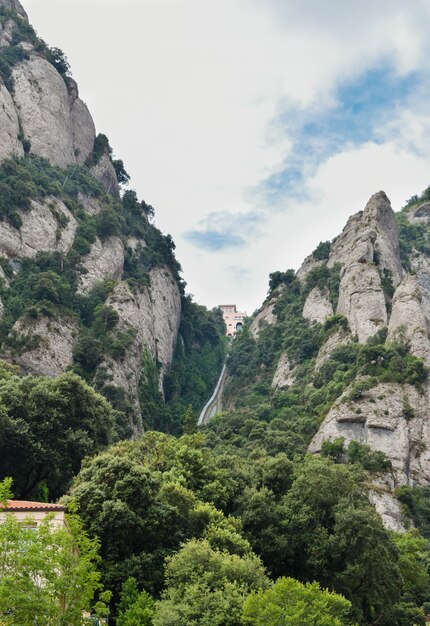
(337, 356)
(87, 281)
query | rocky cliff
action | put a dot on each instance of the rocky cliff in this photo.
(339, 351)
(86, 280)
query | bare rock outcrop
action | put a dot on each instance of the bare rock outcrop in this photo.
(10, 146)
(362, 300)
(388, 507)
(105, 173)
(307, 266)
(105, 260)
(40, 231)
(49, 345)
(284, 373)
(42, 99)
(154, 315)
(266, 314)
(370, 236)
(53, 117)
(408, 321)
(367, 248)
(390, 417)
(83, 128)
(317, 306)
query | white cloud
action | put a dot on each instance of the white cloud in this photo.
(187, 91)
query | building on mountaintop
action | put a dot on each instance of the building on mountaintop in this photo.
(232, 317)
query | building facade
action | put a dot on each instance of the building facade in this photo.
(233, 318)
(32, 513)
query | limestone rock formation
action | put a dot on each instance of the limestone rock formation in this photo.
(40, 231)
(266, 314)
(105, 174)
(106, 260)
(10, 145)
(58, 129)
(390, 417)
(47, 345)
(318, 306)
(154, 315)
(41, 114)
(408, 321)
(284, 373)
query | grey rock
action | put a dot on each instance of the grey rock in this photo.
(154, 315)
(53, 341)
(105, 173)
(10, 146)
(408, 322)
(284, 373)
(317, 306)
(42, 101)
(14, 5)
(266, 315)
(362, 300)
(307, 266)
(105, 260)
(83, 129)
(389, 509)
(390, 417)
(335, 340)
(39, 232)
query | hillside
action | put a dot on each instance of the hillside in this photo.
(338, 354)
(87, 281)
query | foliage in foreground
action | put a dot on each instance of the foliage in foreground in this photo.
(290, 603)
(48, 575)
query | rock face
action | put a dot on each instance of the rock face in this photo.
(389, 417)
(375, 293)
(284, 373)
(106, 260)
(105, 174)
(10, 145)
(266, 314)
(318, 306)
(49, 345)
(58, 126)
(40, 231)
(367, 249)
(154, 315)
(408, 319)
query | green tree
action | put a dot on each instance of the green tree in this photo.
(207, 586)
(5, 491)
(336, 537)
(190, 421)
(291, 603)
(48, 427)
(144, 498)
(134, 608)
(48, 574)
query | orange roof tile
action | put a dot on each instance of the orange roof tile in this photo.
(24, 505)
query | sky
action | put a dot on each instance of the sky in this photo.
(253, 127)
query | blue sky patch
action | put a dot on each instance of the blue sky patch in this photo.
(361, 108)
(213, 240)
